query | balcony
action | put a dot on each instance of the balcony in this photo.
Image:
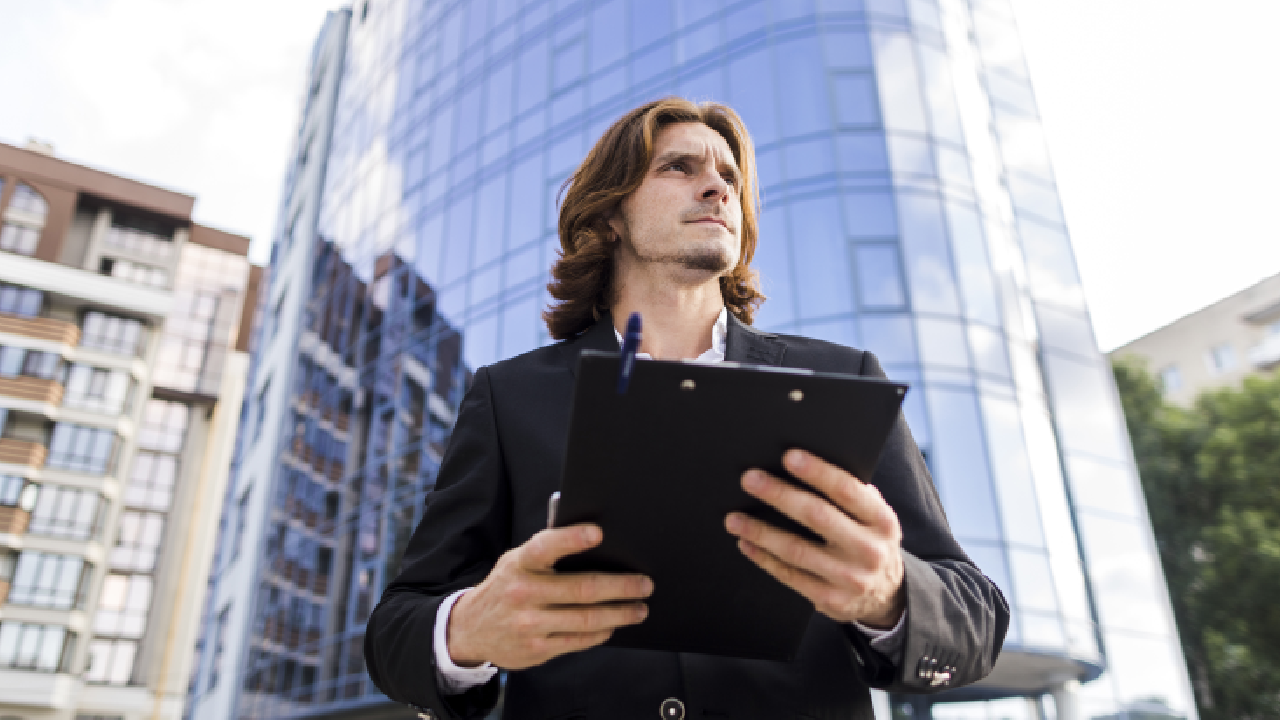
(47, 329)
(21, 452)
(31, 389)
(13, 521)
(1266, 354)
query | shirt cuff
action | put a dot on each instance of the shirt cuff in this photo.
(887, 642)
(451, 679)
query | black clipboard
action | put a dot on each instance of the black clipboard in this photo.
(660, 466)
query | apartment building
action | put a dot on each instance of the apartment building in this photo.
(122, 370)
(1216, 346)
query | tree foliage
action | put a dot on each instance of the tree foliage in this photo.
(1211, 475)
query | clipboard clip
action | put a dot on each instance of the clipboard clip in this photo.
(630, 345)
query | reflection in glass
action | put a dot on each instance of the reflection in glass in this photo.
(879, 276)
(960, 465)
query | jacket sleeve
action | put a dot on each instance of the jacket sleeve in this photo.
(956, 617)
(465, 528)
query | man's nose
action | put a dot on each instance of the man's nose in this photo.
(716, 188)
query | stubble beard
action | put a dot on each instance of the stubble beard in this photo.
(710, 260)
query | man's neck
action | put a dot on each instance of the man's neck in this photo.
(678, 318)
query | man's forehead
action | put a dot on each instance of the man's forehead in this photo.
(693, 139)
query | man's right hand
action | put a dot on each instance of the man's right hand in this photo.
(524, 613)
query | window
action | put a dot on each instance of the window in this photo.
(23, 221)
(21, 239)
(15, 491)
(219, 642)
(164, 426)
(82, 449)
(26, 200)
(18, 300)
(64, 512)
(140, 241)
(151, 481)
(48, 580)
(242, 518)
(97, 389)
(1221, 359)
(261, 409)
(133, 272)
(275, 315)
(31, 363)
(1171, 379)
(110, 662)
(122, 609)
(124, 336)
(27, 646)
(138, 541)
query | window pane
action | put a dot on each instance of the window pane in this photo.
(879, 276)
(821, 255)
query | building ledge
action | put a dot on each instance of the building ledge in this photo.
(1266, 354)
(83, 285)
(26, 688)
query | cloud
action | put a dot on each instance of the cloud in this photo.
(194, 95)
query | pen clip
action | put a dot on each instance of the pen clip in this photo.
(630, 344)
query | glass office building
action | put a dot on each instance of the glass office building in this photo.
(909, 208)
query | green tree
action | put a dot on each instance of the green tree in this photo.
(1211, 476)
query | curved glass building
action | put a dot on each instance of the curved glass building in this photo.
(909, 208)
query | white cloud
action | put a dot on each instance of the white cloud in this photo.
(194, 95)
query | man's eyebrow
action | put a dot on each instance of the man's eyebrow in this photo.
(673, 155)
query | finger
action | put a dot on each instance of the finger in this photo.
(806, 508)
(858, 499)
(811, 587)
(792, 549)
(591, 588)
(593, 618)
(563, 643)
(542, 550)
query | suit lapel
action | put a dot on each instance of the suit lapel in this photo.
(745, 344)
(597, 337)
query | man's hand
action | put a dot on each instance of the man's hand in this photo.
(857, 575)
(525, 614)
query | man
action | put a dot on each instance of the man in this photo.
(661, 219)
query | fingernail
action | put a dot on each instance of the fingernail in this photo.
(592, 535)
(646, 587)
(734, 522)
(747, 548)
(642, 612)
(753, 480)
(796, 459)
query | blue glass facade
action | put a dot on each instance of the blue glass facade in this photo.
(909, 208)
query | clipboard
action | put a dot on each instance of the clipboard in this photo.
(659, 467)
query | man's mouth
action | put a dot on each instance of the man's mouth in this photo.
(716, 220)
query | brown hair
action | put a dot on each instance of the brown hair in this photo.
(615, 167)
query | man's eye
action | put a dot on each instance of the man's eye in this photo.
(731, 179)
(678, 166)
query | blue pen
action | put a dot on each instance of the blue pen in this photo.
(630, 344)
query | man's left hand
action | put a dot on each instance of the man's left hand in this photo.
(857, 574)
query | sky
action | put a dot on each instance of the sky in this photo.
(1162, 118)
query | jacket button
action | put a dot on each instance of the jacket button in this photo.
(671, 709)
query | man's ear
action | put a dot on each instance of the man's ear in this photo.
(617, 225)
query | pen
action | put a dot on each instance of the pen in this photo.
(630, 344)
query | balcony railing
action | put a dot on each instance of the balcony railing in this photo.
(1266, 354)
(30, 388)
(13, 521)
(21, 452)
(58, 331)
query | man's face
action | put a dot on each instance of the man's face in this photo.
(687, 213)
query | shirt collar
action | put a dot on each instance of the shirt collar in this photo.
(719, 341)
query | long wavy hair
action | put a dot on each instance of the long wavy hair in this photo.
(582, 281)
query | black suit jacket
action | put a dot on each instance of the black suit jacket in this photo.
(504, 461)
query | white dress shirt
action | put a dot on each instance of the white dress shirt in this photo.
(453, 679)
